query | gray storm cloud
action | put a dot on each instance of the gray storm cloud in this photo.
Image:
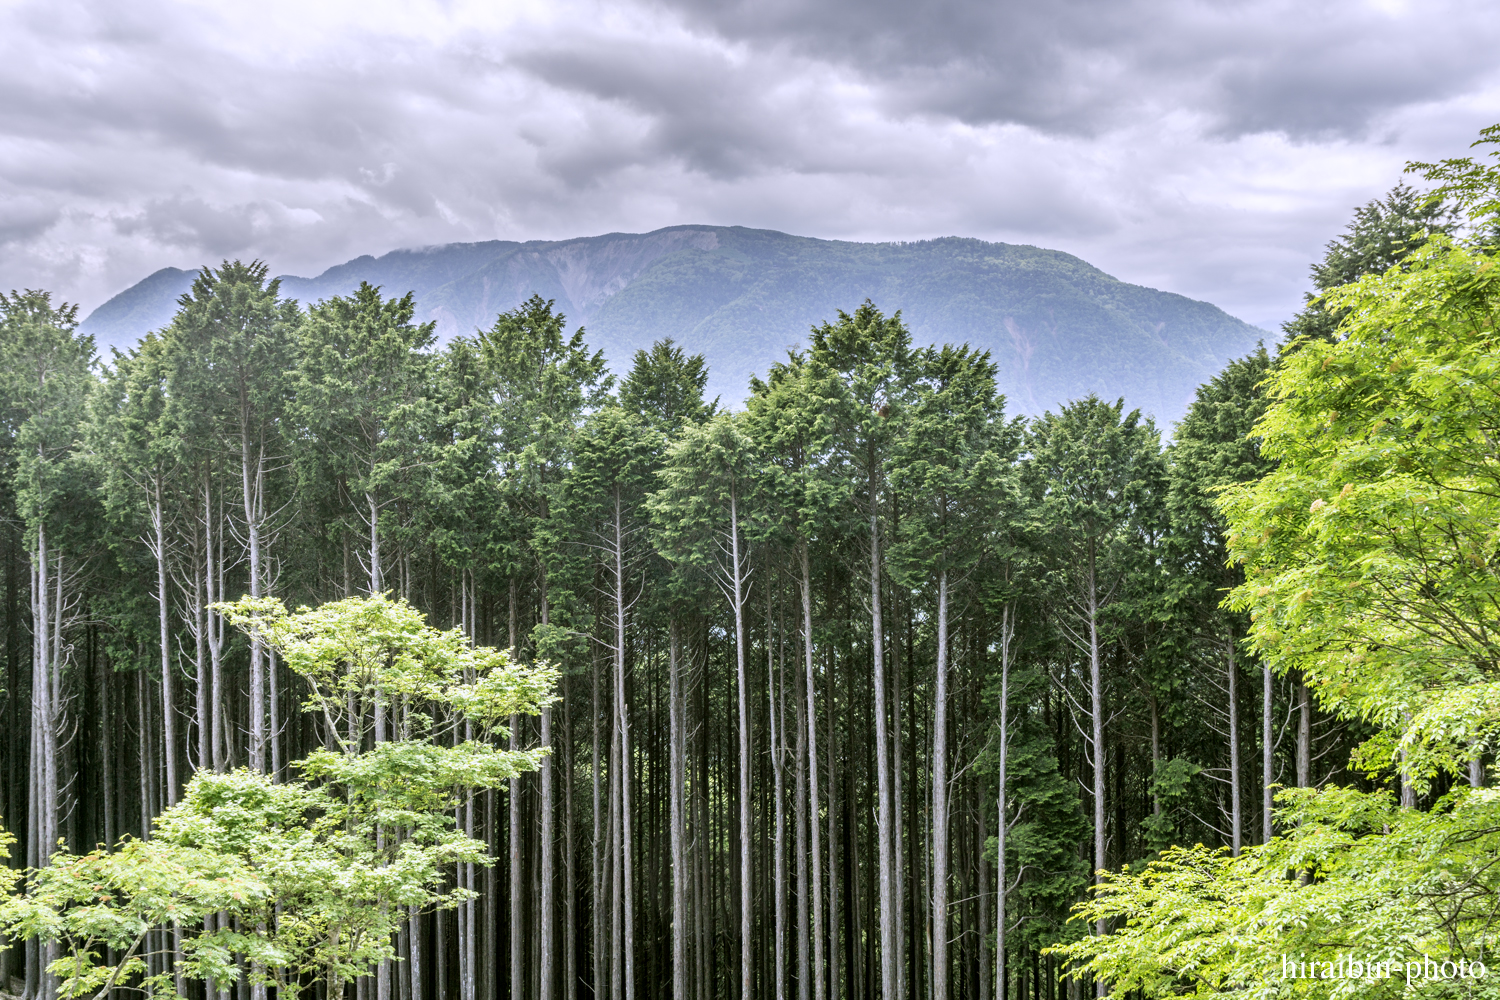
(1206, 148)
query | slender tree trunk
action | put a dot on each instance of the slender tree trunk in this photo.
(107, 752)
(546, 971)
(169, 711)
(1267, 758)
(1002, 885)
(1096, 709)
(570, 863)
(253, 483)
(627, 889)
(1236, 807)
(885, 819)
(819, 981)
(517, 941)
(203, 690)
(377, 579)
(168, 708)
(44, 801)
(940, 864)
(544, 904)
(746, 901)
(1155, 753)
(517, 968)
(215, 630)
(799, 807)
(616, 855)
(598, 903)
(677, 766)
(776, 706)
(1304, 736)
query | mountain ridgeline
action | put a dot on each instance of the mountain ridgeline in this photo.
(1058, 327)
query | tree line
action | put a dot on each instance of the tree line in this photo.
(857, 689)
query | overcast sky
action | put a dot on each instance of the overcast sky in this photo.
(1208, 148)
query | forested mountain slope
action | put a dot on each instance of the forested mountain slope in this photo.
(1058, 327)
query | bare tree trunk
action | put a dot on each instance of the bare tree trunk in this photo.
(597, 909)
(203, 690)
(623, 766)
(1155, 753)
(570, 863)
(799, 807)
(1236, 808)
(678, 763)
(616, 856)
(885, 818)
(169, 712)
(819, 981)
(1002, 886)
(1096, 709)
(517, 968)
(215, 630)
(517, 941)
(44, 719)
(776, 708)
(1304, 736)
(544, 904)
(940, 962)
(273, 736)
(546, 972)
(1267, 758)
(168, 707)
(253, 484)
(835, 981)
(746, 918)
(377, 580)
(106, 753)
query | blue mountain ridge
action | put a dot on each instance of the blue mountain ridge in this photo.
(1057, 327)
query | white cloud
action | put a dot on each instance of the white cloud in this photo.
(1205, 148)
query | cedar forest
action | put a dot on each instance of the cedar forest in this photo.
(343, 663)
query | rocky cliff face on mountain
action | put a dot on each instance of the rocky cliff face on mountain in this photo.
(1057, 327)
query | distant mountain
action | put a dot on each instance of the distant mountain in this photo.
(1058, 327)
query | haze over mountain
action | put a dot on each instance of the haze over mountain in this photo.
(1058, 327)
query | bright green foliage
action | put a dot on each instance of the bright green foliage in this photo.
(1386, 884)
(1383, 234)
(360, 650)
(1473, 186)
(318, 872)
(1370, 551)
(1370, 555)
(111, 899)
